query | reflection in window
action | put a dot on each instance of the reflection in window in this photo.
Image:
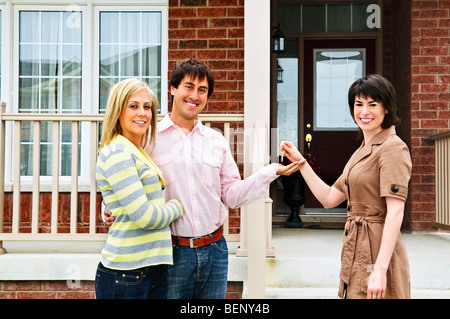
(287, 94)
(130, 46)
(50, 81)
(335, 71)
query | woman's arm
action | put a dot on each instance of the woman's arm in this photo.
(394, 218)
(328, 196)
(120, 184)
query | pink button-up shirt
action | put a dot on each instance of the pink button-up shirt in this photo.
(201, 173)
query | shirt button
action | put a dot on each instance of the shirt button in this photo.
(163, 187)
(395, 188)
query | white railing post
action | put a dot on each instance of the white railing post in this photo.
(257, 118)
(2, 172)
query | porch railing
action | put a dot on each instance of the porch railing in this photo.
(442, 142)
(92, 232)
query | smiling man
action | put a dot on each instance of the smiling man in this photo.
(201, 173)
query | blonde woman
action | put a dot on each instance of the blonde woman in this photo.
(138, 248)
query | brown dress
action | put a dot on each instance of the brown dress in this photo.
(377, 170)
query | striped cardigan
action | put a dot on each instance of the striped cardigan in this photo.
(133, 190)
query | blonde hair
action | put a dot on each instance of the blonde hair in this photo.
(117, 100)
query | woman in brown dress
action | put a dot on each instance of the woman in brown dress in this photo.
(375, 184)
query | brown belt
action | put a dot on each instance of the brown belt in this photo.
(198, 241)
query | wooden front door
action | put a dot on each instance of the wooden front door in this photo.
(330, 67)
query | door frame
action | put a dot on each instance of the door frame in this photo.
(377, 35)
(301, 73)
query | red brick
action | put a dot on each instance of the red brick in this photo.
(434, 123)
(182, 12)
(223, 44)
(434, 14)
(434, 51)
(193, 23)
(212, 33)
(76, 295)
(36, 295)
(435, 33)
(212, 12)
(434, 88)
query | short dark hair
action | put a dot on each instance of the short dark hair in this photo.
(380, 90)
(195, 69)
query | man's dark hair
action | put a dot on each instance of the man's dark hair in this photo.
(196, 70)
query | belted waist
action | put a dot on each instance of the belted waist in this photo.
(370, 219)
(350, 239)
(198, 241)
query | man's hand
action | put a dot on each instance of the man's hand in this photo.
(288, 169)
(109, 220)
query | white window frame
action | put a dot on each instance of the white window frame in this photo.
(85, 107)
(164, 47)
(90, 70)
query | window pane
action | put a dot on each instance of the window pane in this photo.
(130, 46)
(29, 32)
(287, 93)
(29, 59)
(49, 94)
(109, 65)
(360, 16)
(71, 27)
(335, 70)
(109, 27)
(151, 61)
(50, 77)
(129, 58)
(71, 95)
(130, 27)
(49, 27)
(339, 18)
(29, 94)
(289, 18)
(313, 18)
(50, 60)
(151, 21)
(71, 60)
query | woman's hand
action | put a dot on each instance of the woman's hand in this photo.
(376, 283)
(291, 152)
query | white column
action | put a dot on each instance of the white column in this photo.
(257, 124)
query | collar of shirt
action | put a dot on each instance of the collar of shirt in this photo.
(167, 123)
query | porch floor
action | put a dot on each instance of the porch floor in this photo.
(307, 264)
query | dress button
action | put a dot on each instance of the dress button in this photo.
(395, 188)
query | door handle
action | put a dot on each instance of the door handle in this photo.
(308, 139)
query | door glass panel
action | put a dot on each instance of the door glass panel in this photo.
(287, 93)
(334, 72)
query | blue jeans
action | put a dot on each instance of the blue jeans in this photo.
(199, 273)
(143, 283)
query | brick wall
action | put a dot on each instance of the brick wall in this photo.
(430, 106)
(213, 31)
(61, 290)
